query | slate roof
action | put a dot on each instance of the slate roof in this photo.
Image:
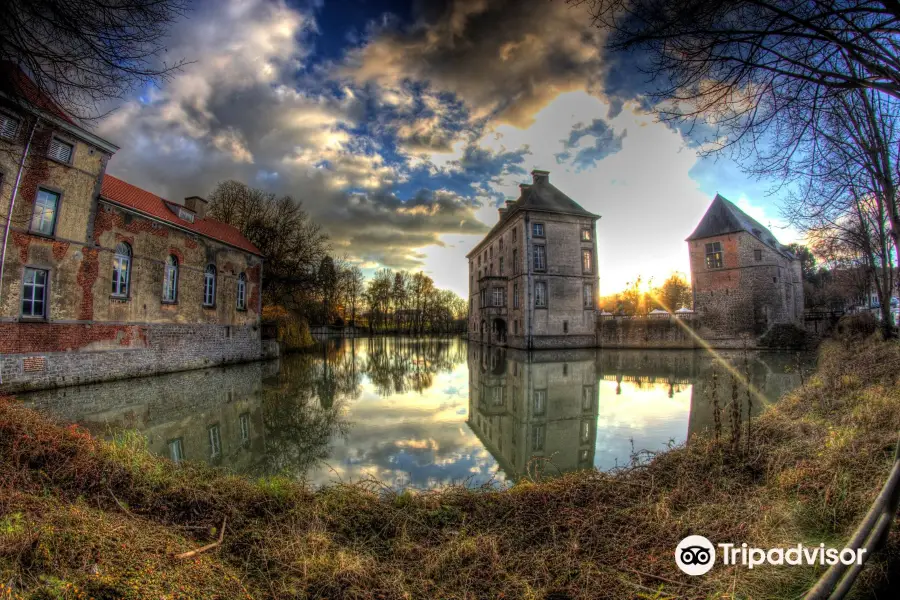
(724, 217)
(119, 192)
(538, 196)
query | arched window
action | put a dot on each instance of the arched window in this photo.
(242, 292)
(209, 286)
(170, 280)
(121, 270)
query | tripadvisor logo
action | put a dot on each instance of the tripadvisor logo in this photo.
(696, 555)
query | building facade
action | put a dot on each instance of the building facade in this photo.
(533, 278)
(102, 280)
(744, 280)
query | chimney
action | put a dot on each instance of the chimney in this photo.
(196, 205)
(502, 211)
(523, 187)
(539, 176)
(510, 203)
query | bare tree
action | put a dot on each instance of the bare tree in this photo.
(80, 53)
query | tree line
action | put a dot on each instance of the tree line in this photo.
(638, 299)
(304, 279)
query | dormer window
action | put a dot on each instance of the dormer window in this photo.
(185, 214)
(61, 151)
(9, 126)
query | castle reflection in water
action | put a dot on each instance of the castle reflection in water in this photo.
(430, 412)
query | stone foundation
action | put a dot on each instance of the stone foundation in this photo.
(73, 354)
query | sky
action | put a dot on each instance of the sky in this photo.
(401, 126)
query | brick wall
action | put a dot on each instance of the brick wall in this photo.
(119, 352)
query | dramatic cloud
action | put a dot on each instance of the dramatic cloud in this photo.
(404, 134)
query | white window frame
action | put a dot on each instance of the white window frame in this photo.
(176, 450)
(497, 297)
(587, 295)
(537, 230)
(586, 235)
(540, 299)
(121, 264)
(515, 295)
(538, 433)
(539, 402)
(43, 214)
(209, 285)
(170, 280)
(31, 290)
(540, 251)
(242, 292)
(215, 441)
(244, 420)
(587, 261)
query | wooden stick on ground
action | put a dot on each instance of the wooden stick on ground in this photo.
(191, 553)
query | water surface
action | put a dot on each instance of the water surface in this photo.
(431, 412)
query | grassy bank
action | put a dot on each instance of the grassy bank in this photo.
(84, 518)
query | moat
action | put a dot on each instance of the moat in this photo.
(429, 412)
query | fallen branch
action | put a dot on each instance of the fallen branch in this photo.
(192, 553)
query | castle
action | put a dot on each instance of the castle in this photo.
(533, 278)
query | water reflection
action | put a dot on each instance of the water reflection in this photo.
(429, 412)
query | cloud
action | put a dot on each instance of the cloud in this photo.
(504, 59)
(601, 142)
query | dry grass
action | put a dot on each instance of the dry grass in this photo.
(83, 518)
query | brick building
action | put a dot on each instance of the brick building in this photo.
(744, 280)
(103, 280)
(533, 278)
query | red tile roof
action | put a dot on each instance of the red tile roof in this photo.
(142, 201)
(23, 87)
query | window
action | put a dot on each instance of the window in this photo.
(588, 295)
(498, 296)
(501, 265)
(479, 260)
(516, 327)
(245, 428)
(242, 292)
(540, 294)
(714, 255)
(587, 398)
(9, 126)
(497, 395)
(757, 255)
(537, 230)
(501, 244)
(491, 252)
(540, 401)
(176, 450)
(565, 330)
(585, 432)
(60, 150)
(584, 455)
(170, 280)
(46, 206)
(514, 233)
(34, 294)
(585, 235)
(471, 305)
(483, 302)
(540, 258)
(185, 214)
(215, 442)
(121, 270)
(515, 261)
(587, 262)
(537, 437)
(209, 286)
(515, 295)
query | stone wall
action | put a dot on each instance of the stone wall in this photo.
(121, 351)
(755, 288)
(668, 332)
